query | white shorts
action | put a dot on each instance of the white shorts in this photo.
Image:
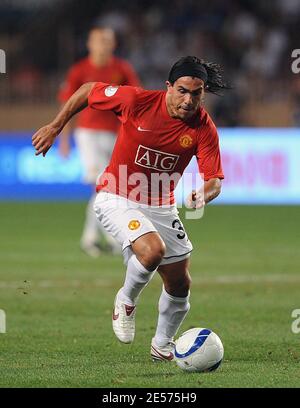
(127, 221)
(95, 149)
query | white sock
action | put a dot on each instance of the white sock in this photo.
(137, 277)
(172, 311)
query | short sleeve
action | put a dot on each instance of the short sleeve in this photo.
(208, 153)
(118, 99)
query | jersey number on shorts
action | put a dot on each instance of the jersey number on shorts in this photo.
(177, 224)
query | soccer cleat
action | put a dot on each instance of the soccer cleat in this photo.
(165, 353)
(123, 321)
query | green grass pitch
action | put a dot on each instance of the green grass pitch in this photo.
(246, 283)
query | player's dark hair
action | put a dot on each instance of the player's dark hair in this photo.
(214, 82)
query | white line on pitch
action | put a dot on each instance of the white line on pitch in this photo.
(223, 280)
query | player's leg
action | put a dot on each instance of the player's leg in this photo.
(174, 299)
(147, 253)
(143, 252)
(173, 306)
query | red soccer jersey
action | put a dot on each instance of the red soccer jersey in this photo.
(117, 71)
(152, 146)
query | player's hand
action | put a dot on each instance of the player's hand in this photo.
(64, 147)
(195, 200)
(44, 138)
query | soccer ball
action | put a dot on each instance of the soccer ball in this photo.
(199, 350)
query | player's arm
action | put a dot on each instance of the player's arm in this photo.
(44, 138)
(64, 140)
(210, 190)
(210, 167)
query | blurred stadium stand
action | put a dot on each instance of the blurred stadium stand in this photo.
(252, 39)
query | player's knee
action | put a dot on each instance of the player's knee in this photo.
(187, 284)
(152, 252)
(179, 287)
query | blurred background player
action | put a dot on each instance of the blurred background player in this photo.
(95, 131)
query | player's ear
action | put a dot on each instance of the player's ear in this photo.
(169, 85)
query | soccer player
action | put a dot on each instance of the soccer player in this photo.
(95, 131)
(160, 132)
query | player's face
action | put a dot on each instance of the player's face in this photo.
(101, 42)
(185, 96)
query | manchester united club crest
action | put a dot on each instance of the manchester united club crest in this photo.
(185, 141)
(134, 224)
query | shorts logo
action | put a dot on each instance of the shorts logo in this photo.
(134, 224)
(111, 90)
(155, 159)
(185, 141)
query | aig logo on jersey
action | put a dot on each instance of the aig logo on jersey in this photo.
(155, 159)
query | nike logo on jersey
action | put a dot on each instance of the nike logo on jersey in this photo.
(143, 130)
